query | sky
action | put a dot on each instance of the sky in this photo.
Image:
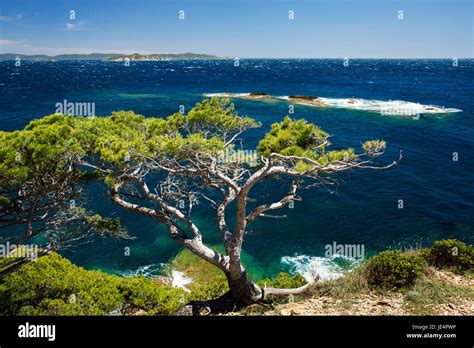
(244, 28)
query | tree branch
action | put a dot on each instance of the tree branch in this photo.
(257, 212)
(296, 291)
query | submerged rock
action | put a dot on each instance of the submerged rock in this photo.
(257, 95)
(303, 97)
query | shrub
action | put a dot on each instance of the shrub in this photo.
(209, 290)
(284, 281)
(52, 285)
(353, 282)
(394, 269)
(451, 253)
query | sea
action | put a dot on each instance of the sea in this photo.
(427, 197)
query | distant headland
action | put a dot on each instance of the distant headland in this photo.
(109, 57)
(166, 56)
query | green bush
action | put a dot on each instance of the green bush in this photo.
(209, 290)
(284, 281)
(394, 269)
(52, 285)
(451, 253)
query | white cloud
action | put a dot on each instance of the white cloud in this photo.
(12, 45)
(11, 18)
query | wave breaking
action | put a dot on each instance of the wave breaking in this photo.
(390, 107)
(153, 270)
(326, 268)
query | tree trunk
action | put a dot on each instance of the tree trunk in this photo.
(243, 290)
(242, 293)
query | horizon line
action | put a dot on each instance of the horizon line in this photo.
(228, 57)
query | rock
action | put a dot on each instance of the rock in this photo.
(259, 95)
(307, 100)
(294, 310)
(384, 303)
(185, 311)
(298, 311)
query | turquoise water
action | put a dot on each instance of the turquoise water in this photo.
(438, 193)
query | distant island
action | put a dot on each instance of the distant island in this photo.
(166, 56)
(112, 57)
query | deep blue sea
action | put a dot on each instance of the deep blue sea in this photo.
(437, 192)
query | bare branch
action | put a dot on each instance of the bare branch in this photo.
(277, 205)
(296, 291)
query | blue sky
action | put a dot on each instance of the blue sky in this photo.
(244, 28)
